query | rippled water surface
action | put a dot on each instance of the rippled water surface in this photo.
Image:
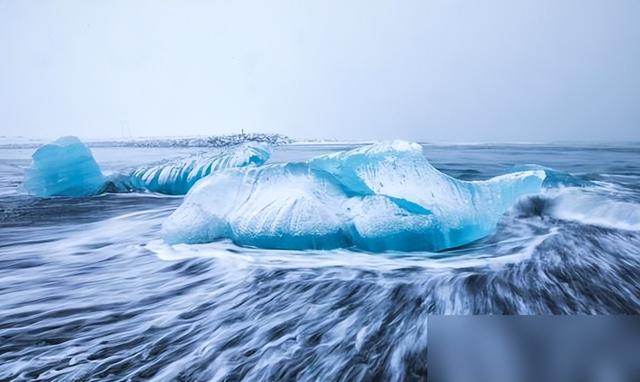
(90, 291)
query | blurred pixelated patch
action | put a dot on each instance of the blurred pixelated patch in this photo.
(534, 348)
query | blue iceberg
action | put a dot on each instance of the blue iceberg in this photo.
(64, 167)
(386, 196)
(279, 205)
(176, 177)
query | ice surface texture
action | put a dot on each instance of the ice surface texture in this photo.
(386, 196)
(178, 176)
(64, 167)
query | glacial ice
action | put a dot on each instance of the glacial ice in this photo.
(386, 196)
(176, 177)
(64, 167)
(280, 205)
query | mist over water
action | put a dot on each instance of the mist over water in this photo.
(89, 289)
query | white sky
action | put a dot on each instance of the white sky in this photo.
(527, 70)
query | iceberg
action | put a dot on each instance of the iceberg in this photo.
(381, 197)
(64, 167)
(274, 206)
(176, 177)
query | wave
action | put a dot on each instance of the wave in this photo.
(576, 205)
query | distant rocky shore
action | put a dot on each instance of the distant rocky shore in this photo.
(200, 141)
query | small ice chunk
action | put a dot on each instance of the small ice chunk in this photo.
(64, 167)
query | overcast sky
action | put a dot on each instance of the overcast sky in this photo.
(526, 70)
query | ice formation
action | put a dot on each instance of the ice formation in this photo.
(176, 177)
(64, 167)
(386, 196)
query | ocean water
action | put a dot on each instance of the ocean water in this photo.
(89, 291)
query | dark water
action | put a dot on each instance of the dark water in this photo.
(90, 292)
